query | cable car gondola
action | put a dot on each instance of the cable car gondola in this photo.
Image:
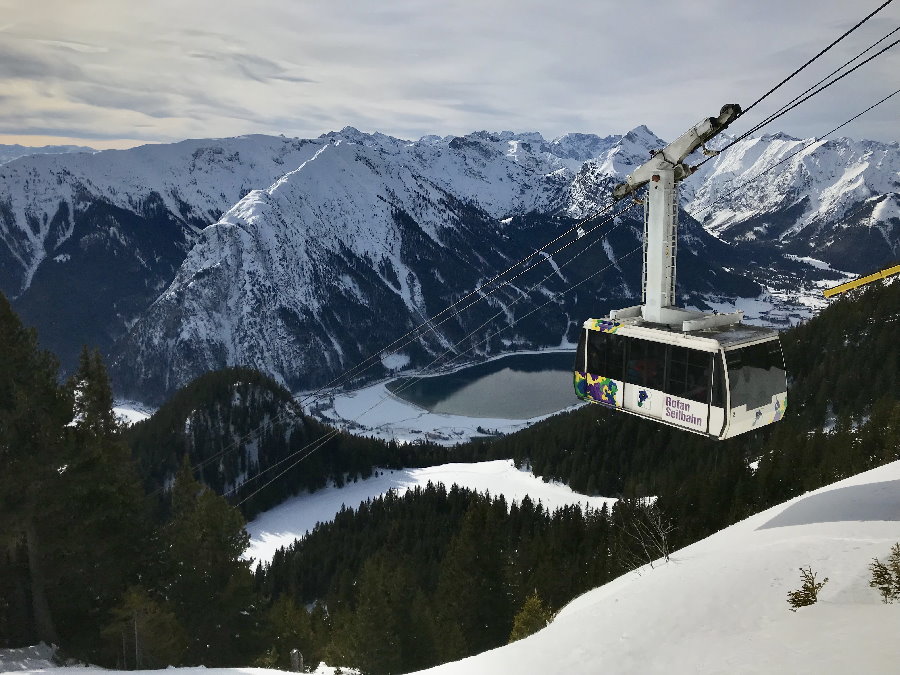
(705, 373)
(715, 382)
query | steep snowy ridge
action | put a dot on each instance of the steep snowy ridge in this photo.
(194, 180)
(590, 190)
(87, 242)
(835, 200)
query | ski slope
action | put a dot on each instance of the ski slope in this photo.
(295, 517)
(719, 606)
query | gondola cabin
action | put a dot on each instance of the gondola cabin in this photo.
(715, 382)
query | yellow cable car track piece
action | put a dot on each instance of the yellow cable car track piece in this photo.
(861, 281)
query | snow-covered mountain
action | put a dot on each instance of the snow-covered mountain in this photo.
(835, 200)
(719, 606)
(10, 152)
(88, 241)
(369, 236)
(288, 255)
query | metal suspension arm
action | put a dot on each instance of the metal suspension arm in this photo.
(672, 156)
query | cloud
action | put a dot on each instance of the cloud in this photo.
(17, 61)
(174, 68)
(251, 66)
(75, 46)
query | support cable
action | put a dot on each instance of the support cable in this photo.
(806, 144)
(380, 401)
(785, 80)
(810, 92)
(774, 116)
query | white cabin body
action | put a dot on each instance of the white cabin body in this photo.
(718, 382)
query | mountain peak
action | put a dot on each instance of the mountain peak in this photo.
(642, 133)
(354, 135)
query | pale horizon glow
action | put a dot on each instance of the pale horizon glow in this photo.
(107, 74)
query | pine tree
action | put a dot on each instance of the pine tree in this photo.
(533, 616)
(144, 633)
(471, 606)
(99, 518)
(290, 627)
(886, 578)
(808, 593)
(209, 585)
(33, 411)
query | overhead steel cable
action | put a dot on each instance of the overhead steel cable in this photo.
(810, 92)
(798, 101)
(414, 332)
(422, 372)
(838, 69)
(807, 144)
(796, 72)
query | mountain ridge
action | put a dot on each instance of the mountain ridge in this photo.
(115, 229)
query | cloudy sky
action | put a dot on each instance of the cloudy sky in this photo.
(109, 73)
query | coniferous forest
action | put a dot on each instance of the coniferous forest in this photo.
(119, 546)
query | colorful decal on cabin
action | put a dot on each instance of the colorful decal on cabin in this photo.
(643, 397)
(580, 385)
(597, 389)
(604, 326)
(780, 409)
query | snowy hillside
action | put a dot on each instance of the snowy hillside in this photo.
(835, 200)
(719, 606)
(295, 517)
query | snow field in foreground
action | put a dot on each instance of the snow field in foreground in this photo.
(295, 517)
(719, 606)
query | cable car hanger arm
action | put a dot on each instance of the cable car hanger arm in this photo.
(674, 154)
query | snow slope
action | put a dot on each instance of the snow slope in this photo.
(720, 605)
(295, 517)
(836, 200)
(34, 658)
